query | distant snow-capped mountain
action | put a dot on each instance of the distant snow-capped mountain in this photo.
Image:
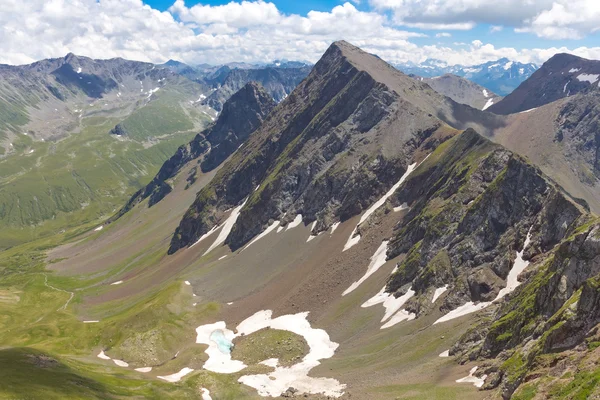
(501, 76)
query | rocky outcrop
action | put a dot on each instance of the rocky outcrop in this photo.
(561, 76)
(278, 82)
(472, 204)
(243, 113)
(578, 124)
(339, 141)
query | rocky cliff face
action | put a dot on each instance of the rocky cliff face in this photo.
(278, 82)
(561, 76)
(578, 124)
(472, 204)
(242, 114)
(339, 141)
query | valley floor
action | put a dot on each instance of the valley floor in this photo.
(133, 303)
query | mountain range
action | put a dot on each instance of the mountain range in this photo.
(369, 234)
(501, 76)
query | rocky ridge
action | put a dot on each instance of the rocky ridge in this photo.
(242, 115)
(337, 142)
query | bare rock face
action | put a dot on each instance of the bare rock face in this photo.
(243, 113)
(278, 82)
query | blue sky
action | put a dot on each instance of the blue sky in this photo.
(464, 32)
(505, 37)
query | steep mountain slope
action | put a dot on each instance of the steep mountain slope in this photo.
(462, 90)
(277, 81)
(342, 136)
(242, 114)
(561, 76)
(561, 138)
(501, 76)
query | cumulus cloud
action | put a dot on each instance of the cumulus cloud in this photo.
(248, 31)
(554, 19)
(443, 35)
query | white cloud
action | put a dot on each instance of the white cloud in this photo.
(443, 35)
(496, 28)
(554, 19)
(238, 31)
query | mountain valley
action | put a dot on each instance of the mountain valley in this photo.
(339, 231)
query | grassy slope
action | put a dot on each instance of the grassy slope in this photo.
(85, 176)
(35, 325)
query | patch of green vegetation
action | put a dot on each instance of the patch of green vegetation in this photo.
(515, 367)
(582, 387)
(81, 179)
(163, 115)
(408, 270)
(268, 343)
(439, 266)
(526, 392)
(32, 374)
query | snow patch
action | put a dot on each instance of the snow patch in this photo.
(508, 65)
(206, 394)
(401, 207)
(297, 221)
(445, 354)
(227, 226)
(222, 257)
(271, 227)
(187, 283)
(79, 70)
(377, 260)
(487, 105)
(400, 316)
(117, 283)
(572, 70)
(271, 362)
(91, 322)
(391, 305)
(177, 376)
(591, 78)
(219, 339)
(527, 111)
(144, 369)
(334, 227)
(99, 228)
(207, 234)
(478, 382)
(519, 266)
(121, 363)
(485, 93)
(465, 309)
(103, 356)
(438, 292)
(352, 240)
(565, 87)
